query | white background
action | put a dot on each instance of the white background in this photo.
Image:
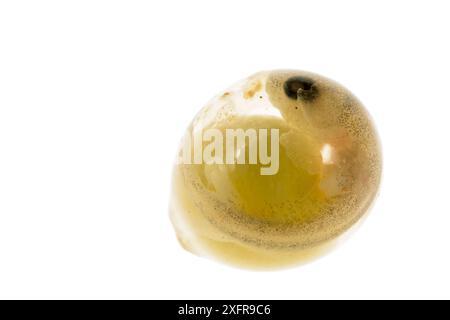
(94, 96)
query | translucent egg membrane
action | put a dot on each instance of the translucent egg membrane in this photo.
(328, 171)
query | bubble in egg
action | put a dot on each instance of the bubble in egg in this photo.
(274, 171)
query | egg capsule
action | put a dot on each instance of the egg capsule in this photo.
(274, 170)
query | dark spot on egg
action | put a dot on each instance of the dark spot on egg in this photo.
(302, 88)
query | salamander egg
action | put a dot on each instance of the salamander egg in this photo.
(273, 170)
